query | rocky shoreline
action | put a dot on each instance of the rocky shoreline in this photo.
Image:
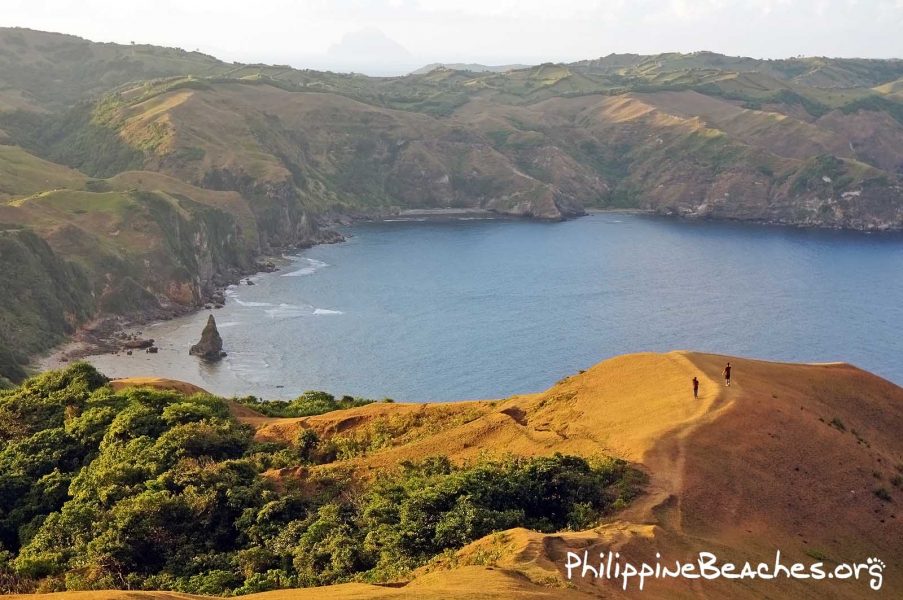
(122, 334)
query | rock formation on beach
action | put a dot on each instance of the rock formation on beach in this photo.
(211, 345)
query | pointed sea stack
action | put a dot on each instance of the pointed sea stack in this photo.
(211, 345)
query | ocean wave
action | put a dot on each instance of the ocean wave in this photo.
(313, 265)
(241, 302)
(288, 311)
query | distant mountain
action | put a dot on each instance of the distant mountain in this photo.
(472, 67)
(106, 149)
(370, 51)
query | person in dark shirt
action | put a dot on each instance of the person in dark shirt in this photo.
(695, 388)
(727, 375)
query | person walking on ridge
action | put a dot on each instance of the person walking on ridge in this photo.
(695, 388)
(727, 375)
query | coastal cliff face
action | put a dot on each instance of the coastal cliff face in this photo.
(143, 254)
(43, 298)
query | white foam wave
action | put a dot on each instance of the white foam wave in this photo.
(284, 311)
(250, 304)
(301, 272)
(313, 265)
(288, 311)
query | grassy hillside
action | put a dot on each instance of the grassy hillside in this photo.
(783, 459)
(51, 71)
(25, 174)
(678, 152)
(517, 142)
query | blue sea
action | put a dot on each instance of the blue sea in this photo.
(465, 309)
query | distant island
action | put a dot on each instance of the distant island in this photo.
(136, 181)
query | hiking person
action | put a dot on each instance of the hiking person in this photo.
(695, 388)
(727, 375)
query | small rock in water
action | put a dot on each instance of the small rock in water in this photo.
(211, 345)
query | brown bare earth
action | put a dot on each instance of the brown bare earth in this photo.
(787, 458)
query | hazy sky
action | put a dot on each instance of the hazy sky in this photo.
(383, 36)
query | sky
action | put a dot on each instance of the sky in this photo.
(384, 37)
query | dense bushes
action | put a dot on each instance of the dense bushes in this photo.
(307, 404)
(146, 489)
(104, 489)
(73, 138)
(425, 508)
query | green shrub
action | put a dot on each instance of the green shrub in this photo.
(306, 442)
(148, 489)
(307, 404)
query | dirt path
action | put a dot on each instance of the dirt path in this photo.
(666, 460)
